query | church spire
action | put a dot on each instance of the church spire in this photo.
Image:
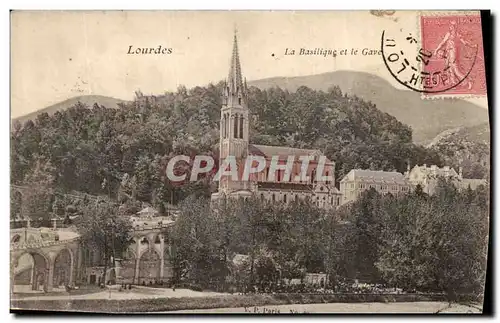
(235, 80)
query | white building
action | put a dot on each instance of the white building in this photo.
(359, 180)
(428, 177)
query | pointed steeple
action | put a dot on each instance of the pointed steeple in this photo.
(234, 79)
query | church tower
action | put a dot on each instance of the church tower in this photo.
(234, 123)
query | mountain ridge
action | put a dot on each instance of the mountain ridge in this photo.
(90, 100)
(427, 117)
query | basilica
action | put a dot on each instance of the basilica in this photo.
(234, 141)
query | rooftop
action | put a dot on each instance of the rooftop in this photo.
(269, 151)
(375, 176)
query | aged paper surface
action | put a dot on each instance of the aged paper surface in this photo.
(249, 161)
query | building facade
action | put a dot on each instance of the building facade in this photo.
(359, 180)
(234, 141)
(428, 177)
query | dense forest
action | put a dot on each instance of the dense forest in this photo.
(415, 242)
(122, 152)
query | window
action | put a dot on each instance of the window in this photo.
(326, 176)
(226, 126)
(274, 198)
(239, 101)
(222, 125)
(241, 126)
(235, 124)
(296, 198)
(279, 176)
(284, 198)
(262, 196)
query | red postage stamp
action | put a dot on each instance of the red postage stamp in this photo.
(456, 66)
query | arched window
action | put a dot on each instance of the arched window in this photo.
(241, 127)
(235, 128)
(274, 198)
(284, 198)
(239, 101)
(223, 126)
(279, 176)
(313, 175)
(297, 198)
(262, 196)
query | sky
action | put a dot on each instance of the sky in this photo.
(61, 54)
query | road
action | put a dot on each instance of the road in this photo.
(402, 307)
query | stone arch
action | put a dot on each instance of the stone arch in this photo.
(16, 238)
(149, 267)
(31, 273)
(63, 267)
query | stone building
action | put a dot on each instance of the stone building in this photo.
(234, 141)
(428, 176)
(359, 180)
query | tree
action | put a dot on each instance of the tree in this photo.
(196, 244)
(103, 230)
(37, 199)
(436, 243)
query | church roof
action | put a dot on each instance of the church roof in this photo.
(374, 176)
(269, 151)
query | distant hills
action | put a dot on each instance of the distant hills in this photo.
(477, 134)
(89, 100)
(466, 147)
(428, 118)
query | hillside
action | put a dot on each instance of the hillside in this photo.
(83, 148)
(427, 118)
(466, 147)
(88, 100)
(478, 134)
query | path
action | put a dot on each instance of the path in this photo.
(138, 292)
(402, 307)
